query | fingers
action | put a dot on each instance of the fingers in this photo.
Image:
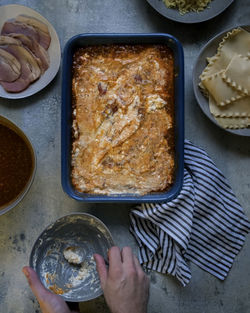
(138, 265)
(128, 257)
(114, 256)
(101, 268)
(36, 286)
(48, 301)
(118, 260)
(115, 263)
(141, 275)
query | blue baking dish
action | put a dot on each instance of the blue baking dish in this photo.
(66, 131)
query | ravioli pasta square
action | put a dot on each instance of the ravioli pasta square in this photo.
(237, 74)
(239, 107)
(222, 93)
(233, 122)
(235, 42)
(226, 80)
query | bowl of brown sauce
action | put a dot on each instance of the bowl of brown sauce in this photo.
(17, 164)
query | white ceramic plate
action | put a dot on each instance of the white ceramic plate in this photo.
(214, 8)
(11, 11)
(209, 50)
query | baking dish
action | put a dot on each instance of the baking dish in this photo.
(66, 122)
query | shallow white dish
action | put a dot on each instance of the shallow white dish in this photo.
(209, 50)
(11, 11)
(214, 8)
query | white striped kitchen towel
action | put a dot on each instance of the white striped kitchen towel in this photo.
(205, 224)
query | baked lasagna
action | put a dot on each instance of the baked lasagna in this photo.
(123, 119)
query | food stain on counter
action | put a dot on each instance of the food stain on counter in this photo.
(18, 243)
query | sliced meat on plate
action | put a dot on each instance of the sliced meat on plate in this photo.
(41, 55)
(11, 26)
(10, 67)
(41, 28)
(7, 40)
(30, 71)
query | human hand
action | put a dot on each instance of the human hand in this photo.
(49, 302)
(125, 285)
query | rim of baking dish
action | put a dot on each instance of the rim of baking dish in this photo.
(66, 122)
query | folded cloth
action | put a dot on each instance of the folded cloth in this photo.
(204, 224)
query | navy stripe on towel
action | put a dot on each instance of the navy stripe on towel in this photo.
(205, 224)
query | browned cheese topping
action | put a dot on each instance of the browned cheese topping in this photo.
(123, 110)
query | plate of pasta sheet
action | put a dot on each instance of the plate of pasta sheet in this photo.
(221, 80)
(190, 11)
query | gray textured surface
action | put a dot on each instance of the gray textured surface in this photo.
(39, 117)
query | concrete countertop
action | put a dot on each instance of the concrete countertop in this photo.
(39, 117)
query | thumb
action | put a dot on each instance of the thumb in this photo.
(101, 268)
(36, 286)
